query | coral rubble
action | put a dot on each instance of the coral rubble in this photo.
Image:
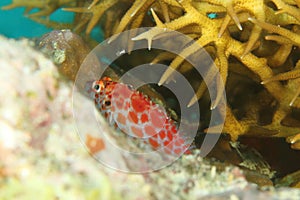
(66, 49)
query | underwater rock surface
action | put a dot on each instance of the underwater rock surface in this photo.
(41, 154)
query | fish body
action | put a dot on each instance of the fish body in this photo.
(136, 115)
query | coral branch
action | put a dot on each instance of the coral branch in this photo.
(295, 38)
(97, 11)
(285, 8)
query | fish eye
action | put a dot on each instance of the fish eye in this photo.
(96, 87)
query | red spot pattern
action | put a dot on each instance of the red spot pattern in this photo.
(121, 118)
(137, 132)
(153, 142)
(158, 118)
(133, 117)
(139, 103)
(144, 118)
(150, 130)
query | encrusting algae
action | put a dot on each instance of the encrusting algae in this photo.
(253, 43)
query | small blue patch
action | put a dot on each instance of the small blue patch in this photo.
(212, 15)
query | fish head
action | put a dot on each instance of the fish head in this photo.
(99, 89)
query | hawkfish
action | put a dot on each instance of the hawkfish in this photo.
(136, 115)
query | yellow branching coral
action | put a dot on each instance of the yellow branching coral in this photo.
(45, 7)
(295, 141)
(255, 8)
(225, 46)
(290, 75)
(97, 10)
(294, 37)
(284, 7)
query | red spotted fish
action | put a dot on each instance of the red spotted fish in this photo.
(136, 115)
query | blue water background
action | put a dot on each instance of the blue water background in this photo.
(14, 24)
